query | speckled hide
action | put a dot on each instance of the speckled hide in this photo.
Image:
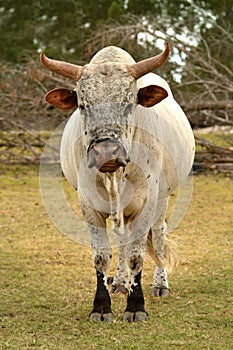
(158, 146)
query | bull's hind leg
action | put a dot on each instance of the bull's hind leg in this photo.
(120, 282)
(121, 279)
(160, 283)
(135, 309)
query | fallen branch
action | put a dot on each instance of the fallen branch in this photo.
(216, 106)
(213, 157)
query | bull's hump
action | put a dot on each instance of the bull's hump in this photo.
(112, 54)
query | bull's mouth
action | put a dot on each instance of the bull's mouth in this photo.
(112, 165)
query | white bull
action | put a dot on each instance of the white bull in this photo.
(126, 148)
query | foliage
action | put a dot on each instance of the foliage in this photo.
(201, 80)
(48, 282)
(61, 26)
(22, 90)
(64, 26)
(199, 69)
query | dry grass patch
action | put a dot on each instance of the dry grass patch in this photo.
(48, 281)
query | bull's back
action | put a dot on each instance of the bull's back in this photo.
(168, 126)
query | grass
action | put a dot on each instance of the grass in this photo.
(48, 282)
(217, 139)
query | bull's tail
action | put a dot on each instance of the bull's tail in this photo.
(170, 257)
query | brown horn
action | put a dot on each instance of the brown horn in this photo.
(137, 70)
(65, 69)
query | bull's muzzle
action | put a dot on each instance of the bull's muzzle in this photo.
(106, 156)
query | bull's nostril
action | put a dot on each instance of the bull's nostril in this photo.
(121, 162)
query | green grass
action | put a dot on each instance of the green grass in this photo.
(48, 281)
(217, 139)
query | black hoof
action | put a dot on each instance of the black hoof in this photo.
(160, 292)
(97, 317)
(137, 316)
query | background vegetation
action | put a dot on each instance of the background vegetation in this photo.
(199, 69)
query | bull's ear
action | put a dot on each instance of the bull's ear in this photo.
(151, 95)
(62, 98)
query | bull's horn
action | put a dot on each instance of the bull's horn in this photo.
(148, 65)
(65, 69)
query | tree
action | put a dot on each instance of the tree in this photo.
(199, 69)
(200, 77)
(29, 26)
(60, 26)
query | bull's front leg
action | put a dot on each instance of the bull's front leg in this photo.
(135, 309)
(102, 255)
(102, 303)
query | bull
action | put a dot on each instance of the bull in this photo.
(126, 148)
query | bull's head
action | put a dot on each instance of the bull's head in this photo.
(105, 94)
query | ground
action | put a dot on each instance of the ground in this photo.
(48, 281)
